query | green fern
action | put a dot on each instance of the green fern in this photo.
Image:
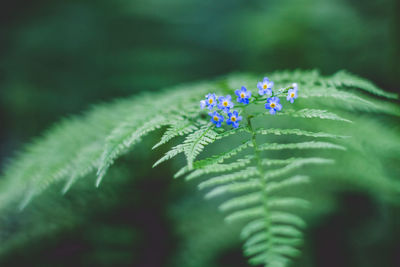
(249, 168)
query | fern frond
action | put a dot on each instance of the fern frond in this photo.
(170, 154)
(124, 137)
(351, 101)
(254, 178)
(58, 150)
(178, 128)
(343, 78)
(313, 113)
(273, 235)
(82, 165)
(196, 142)
(192, 146)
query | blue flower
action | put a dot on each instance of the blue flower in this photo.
(203, 104)
(225, 103)
(216, 118)
(243, 95)
(265, 87)
(273, 105)
(292, 93)
(234, 119)
(211, 101)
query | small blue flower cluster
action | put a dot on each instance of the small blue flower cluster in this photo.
(225, 104)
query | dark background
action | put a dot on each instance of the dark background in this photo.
(59, 57)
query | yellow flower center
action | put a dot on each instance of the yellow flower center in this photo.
(242, 95)
(210, 100)
(225, 103)
(265, 86)
(233, 118)
(216, 118)
(291, 94)
(272, 105)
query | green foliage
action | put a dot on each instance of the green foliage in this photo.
(260, 170)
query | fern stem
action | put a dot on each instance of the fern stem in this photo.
(263, 182)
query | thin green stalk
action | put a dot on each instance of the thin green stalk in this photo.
(263, 183)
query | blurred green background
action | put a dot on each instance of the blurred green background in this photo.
(59, 57)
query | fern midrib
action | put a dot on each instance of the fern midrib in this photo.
(263, 183)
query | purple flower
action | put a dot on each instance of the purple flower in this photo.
(273, 105)
(243, 95)
(265, 87)
(225, 103)
(292, 94)
(216, 118)
(211, 101)
(234, 119)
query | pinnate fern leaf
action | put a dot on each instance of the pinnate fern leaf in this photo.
(192, 146)
(256, 165)
(177, 128)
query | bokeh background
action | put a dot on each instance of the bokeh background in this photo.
(59, 57)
